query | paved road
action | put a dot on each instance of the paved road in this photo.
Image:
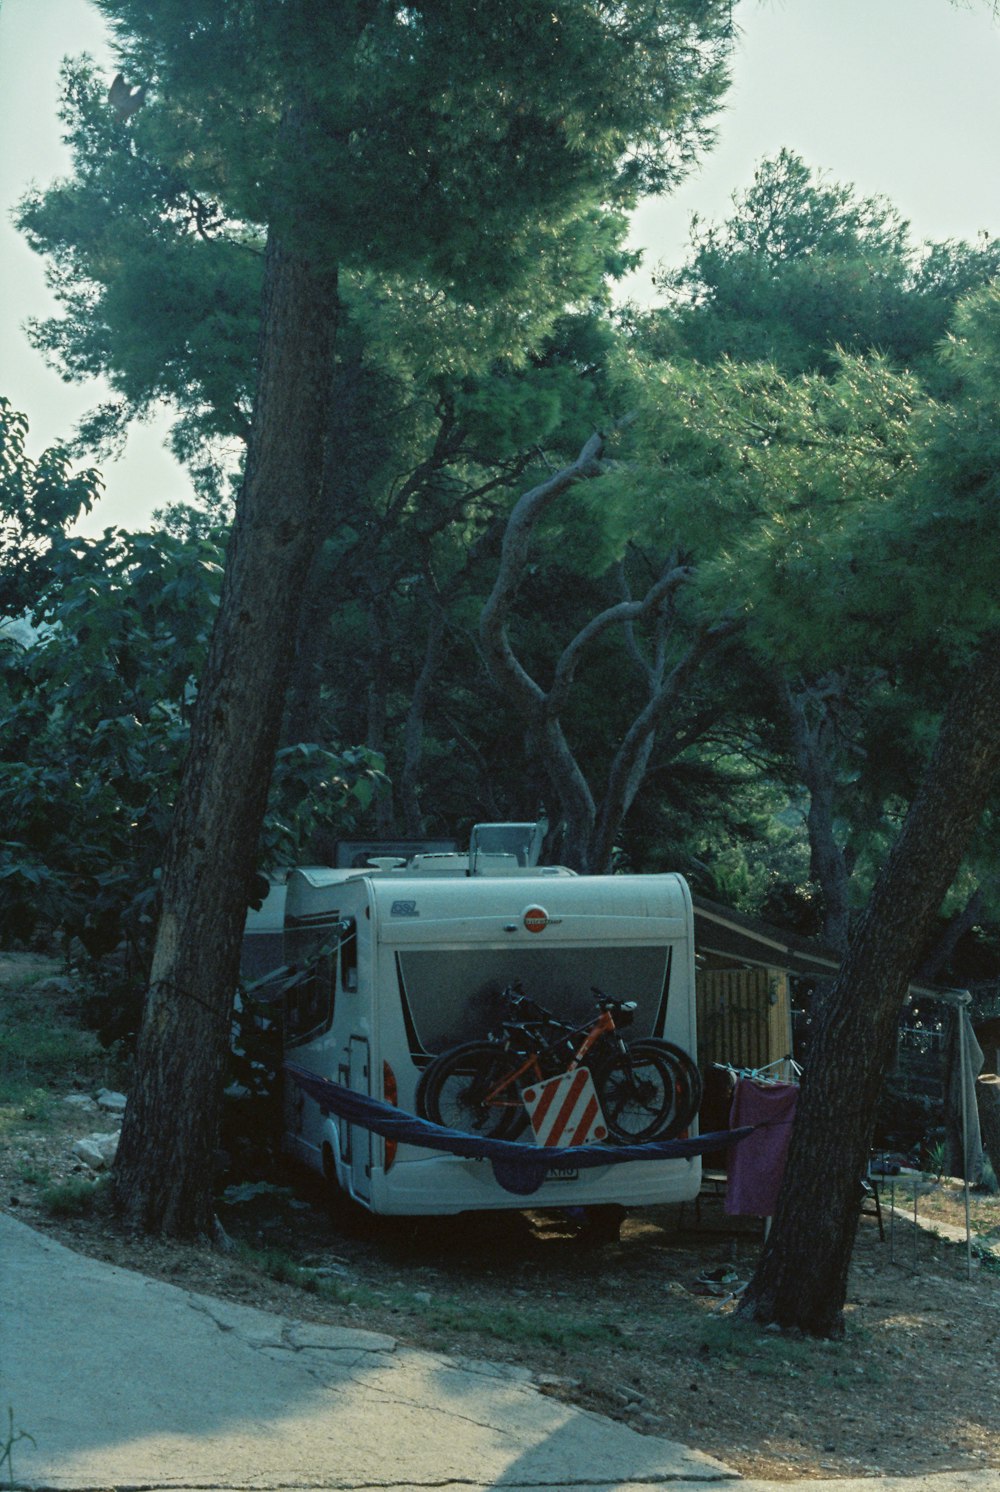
(125, 1382)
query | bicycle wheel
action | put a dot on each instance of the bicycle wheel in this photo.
(454, 1090)
(640, 1094)
(689, 1102)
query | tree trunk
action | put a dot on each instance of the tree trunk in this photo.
(988, 1104)
(413, 731)
(527, 697)
(377, 705)
(941, 954)
(801, 1278)
(163, 1170)
(630, 763)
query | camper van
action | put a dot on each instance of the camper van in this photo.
(406, 956)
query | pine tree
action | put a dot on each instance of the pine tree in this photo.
(465, 151)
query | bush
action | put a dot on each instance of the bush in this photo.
(77, 1197)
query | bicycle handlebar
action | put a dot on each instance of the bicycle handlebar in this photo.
(520, 1003)
(515, 997)
(608, 1002)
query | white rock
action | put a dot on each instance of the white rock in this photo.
(90, 1154)
(111, 1102)
(97, 1150)
(52, 986)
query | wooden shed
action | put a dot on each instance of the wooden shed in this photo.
(744, 1016)
(744, 985)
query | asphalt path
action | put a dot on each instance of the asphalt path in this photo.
(122, 1382)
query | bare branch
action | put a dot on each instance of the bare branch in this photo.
(623, 612)
(500, 656)
(520, 526)
(632, 756)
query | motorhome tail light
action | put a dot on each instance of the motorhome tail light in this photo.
(390, 1092)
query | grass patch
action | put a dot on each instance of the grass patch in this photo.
(33, 1049)
(21, 1102)
(42, 1046)
(506, 1324)
(32, 1174)
(940, 1200)
(23, 971)
(77, 1197)
(763, 1354)
(280, 1266)
(520, 1326)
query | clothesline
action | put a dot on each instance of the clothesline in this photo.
(760, 1074)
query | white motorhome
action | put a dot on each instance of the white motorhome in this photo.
(407, 958)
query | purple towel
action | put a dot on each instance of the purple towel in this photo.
(757, 1165)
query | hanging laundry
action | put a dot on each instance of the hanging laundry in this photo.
(757, 1165)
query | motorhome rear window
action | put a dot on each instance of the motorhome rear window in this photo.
(311, 949)
(349, 955)
(452, 994)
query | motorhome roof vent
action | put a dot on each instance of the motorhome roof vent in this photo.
(521, 842)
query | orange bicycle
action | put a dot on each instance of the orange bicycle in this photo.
(648, 1090)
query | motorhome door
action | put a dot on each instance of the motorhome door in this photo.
(359, 1139)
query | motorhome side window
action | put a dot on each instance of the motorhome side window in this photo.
(349, 956)
(309, 1000)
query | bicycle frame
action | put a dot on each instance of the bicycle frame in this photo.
(599, 1029)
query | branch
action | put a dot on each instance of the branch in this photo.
(632, 756)
(500, 656)
(413, 730)
(481, 764)
(623, 612)
(520, 526)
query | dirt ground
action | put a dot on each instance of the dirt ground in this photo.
(621, 1327)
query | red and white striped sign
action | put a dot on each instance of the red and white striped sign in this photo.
(564, 1110)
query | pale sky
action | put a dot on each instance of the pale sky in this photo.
(899, 97)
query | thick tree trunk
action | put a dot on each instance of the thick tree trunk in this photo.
(988, 1104)
(801, 1278)
(163, 1170)
(943, 950)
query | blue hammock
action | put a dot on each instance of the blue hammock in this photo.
(518, 1168)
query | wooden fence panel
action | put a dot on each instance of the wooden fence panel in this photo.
(744, 1017)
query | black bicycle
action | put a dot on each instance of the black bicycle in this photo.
(649, 1089)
